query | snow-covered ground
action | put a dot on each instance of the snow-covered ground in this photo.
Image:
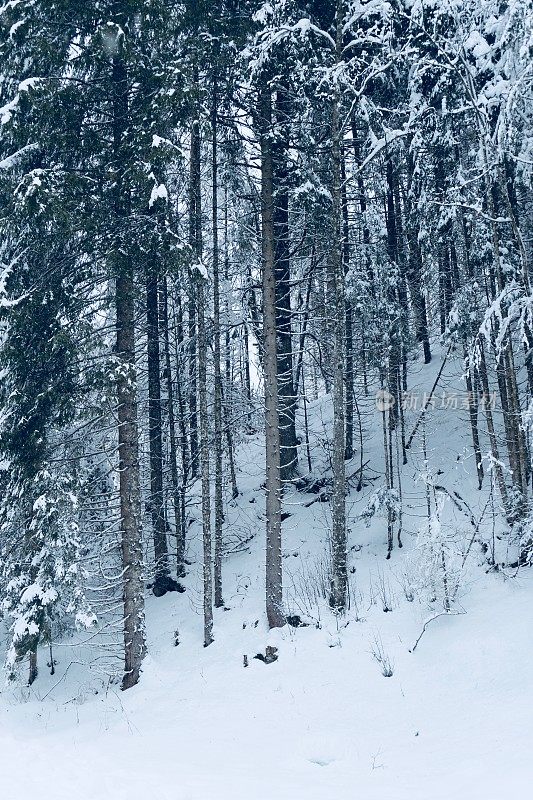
(452, 721)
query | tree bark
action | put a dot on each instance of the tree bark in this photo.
(155, 437)
(184, 442)
(349, 372)
(414, 264)
(274, 590)
(287, 400)
(180, 537)
(339, 580)
(126, 388)
(219, 509)
(205, 467)
(195, 242)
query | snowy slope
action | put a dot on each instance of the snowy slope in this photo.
(453, 720)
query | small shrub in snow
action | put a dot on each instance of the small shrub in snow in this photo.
(310, 588)
(382, 657)
(384, 592)
(355, 600)
(405, 582)
(380, 591)
(382, 503)
(434, 569)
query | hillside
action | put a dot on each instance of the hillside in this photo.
(322, 721)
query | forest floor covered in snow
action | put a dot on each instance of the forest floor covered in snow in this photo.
(453, 720)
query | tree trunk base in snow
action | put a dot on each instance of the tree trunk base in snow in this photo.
(164, 584)
(271, 655)
(33, 667)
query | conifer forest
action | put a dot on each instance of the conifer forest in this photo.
(266, 399)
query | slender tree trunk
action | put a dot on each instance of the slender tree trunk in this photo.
(230, 448)
(414, 264)
(198, 283)
(306, 423)
(496, 463)
(219, 509)
(126, 387)
(226, 394)
(195, 239)
(363, 208)
(287, 400)
(349, 372)
(339, 582)
(180, 537)
(162, 569)
(130, 494)
(506, 374)
(402, 288)
(394, 344)
(473, 414)
(33, 671)
(303, 331)
(184, 442)
(204, 465)
(274, 592)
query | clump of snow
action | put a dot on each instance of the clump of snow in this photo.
(159, 192)
(12, 160)
(200, 267)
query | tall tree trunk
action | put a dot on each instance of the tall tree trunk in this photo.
(129, 482)
(274, 591)
(395, 343)
(126, 387)
(414, 263)
(155, 437)
(349, 373)
(219, 509)
(339, 581)
(506, 371)
(226, 394)
(176, 505)
(287, 400)
(184, 442)
(496, 462)
(195, 241)
(198, 282)
(473, 414)
(204, 465)
(247, 378)
(363, 207)
(402, 288)
(305, 310)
